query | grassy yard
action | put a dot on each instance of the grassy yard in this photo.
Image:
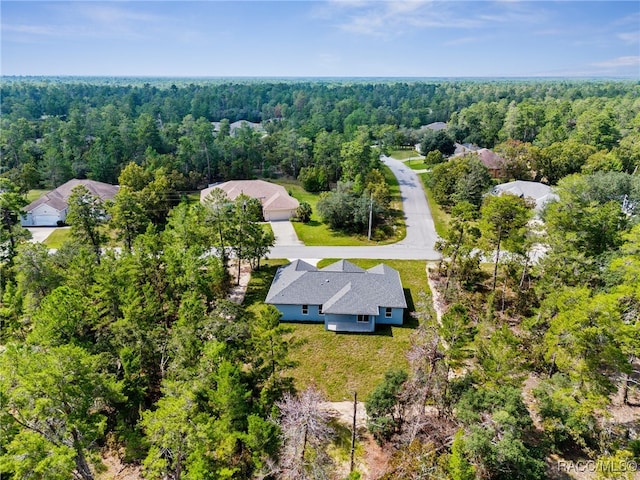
(33, 195)
(260, 283)
(403, 154)
(339, 364)
(440, 217)
(61, 235)
(58, 237)
(317, 233)
(417, 164)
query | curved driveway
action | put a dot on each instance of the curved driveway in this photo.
(419, 243)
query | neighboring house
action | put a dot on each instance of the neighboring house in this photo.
(51, 208)
(435, 126)
(494, 162)
(464, 148)
(490, 159)
(277, 204)
(343, 296)
(256, 127)
(540, 193)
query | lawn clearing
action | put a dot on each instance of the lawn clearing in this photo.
(316, 233)
(404, 154)
(63, 234)
(440, 217)
(339, 364)
(58, 237)
(417, 164)
(33, 195)
(260, 282)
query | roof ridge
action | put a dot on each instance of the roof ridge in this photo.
(337, 296)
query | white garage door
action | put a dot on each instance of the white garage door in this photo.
(45, 220)
(275, 215)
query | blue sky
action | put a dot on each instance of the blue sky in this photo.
(321, 38)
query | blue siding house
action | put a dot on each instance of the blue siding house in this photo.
(343, 296)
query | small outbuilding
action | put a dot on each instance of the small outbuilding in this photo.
(51, 208)
(277, 204)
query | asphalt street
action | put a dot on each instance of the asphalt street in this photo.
(419, 243)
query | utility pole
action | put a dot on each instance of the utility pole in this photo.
(353, 430)
(370, 215)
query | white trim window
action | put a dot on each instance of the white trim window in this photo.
(363, 319)
(320, 312)
(388, 312)
(305, 309)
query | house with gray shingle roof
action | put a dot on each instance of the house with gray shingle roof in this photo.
(537, 192)
(343, 296)
(51, 208)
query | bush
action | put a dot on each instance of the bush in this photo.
(440, 140)
(459, 179)
(303, 212)
(314, 179)
(384, 407)
(346, 210)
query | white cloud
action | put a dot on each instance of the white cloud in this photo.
(630, 37)
(628, 61)
(462, 41)
(391, 18)
(28, 29)
(73, 20)
(108, 14)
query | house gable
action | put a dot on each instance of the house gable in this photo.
(52, 206)
(276, 202)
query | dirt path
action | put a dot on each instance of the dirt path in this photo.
(436, 298)
(372, 462)
(343, 412)
(237, 292)
(116, 470)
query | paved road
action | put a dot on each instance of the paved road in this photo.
(417, 245)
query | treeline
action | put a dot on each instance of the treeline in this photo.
(137, 349)
(534, 357)
(52, 130)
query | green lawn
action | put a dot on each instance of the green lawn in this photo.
(33, 195)
(417, 164)
(403, 154)
(193, 197)
(58, 237)
(317, 233)
(266, 228)
(339, 364)
(260, 283)
(440, 217)
(61, 235)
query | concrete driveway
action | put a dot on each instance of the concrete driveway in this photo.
(419, 243)
(285, 233)
(40, 234)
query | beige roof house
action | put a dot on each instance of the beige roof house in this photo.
(277, 204)
(51, 208)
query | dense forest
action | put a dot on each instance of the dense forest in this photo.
(52, 131)
(527, 358)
